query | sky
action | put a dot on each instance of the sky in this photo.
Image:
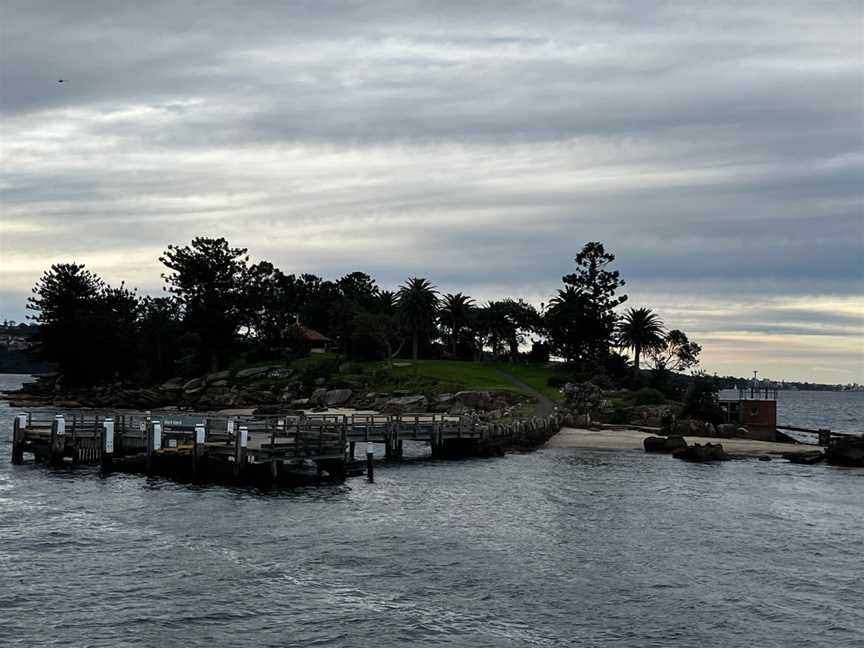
(717, 149)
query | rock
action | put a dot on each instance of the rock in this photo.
(195, 383)
(280, 372)
(300, 402)
(764, 458)
(318, 397)
(710, 430)
(811, 457)
(220, 383)
(476, 400)
(344, 368)
(846, 451)
(175, 384)
(254, 397)
(682, 428)
(405, 404)
(217, 376)
(320, 382)
(663, 444)
(251, 372)
(726, 430)
(337, 397)
(700, 453)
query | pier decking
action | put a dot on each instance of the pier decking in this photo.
(205, 446)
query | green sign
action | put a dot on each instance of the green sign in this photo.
(179, 421)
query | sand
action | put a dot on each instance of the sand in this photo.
(632, 440)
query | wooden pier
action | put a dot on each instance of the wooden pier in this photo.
(255, 448)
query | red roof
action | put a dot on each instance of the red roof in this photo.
(310, 335)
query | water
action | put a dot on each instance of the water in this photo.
(553, 548)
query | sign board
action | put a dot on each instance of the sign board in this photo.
(22, 421)
(61, 424)
(190, 422)
(244, 437)
(200, 431)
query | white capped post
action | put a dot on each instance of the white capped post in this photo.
(200, 432)
(108, 446)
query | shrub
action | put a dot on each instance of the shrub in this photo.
(649, 396)
(700, 399)
(556, 381)
(603, 382)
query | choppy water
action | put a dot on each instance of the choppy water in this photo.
(553, 548)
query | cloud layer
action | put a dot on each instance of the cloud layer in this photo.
(716, 148)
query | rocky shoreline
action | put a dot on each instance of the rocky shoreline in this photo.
(267, 389)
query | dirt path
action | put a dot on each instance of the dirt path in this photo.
(543, 406)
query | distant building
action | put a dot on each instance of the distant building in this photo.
(310, 340)
(754, 409)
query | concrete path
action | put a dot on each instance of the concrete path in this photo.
(543, 406)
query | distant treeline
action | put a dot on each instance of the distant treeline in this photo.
(218, 307)
(731, 382)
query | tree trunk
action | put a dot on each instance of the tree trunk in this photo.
(455, 336)
(637, 351)
(414, 345)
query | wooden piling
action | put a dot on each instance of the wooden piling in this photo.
(19, 426)
(370, 464)
(241, 441)
(106, 447)
(58, 441)
(199, 435)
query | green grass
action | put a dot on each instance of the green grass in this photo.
(536, 375)
(454, 375)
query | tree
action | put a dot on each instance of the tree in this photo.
(208, 279)
(160, 332)
(675, 353)
(640, 329)
(455, 314)
(359, 288)
(521, 318)
(701, 399)
(589, 296)
(418, 306)
(63, 301)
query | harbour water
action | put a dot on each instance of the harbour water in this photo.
(551, 548)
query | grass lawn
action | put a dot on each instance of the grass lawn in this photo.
(462, 374)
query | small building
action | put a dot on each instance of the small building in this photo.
(754, 409)
(309, 339)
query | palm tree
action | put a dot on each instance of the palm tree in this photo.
(418, 306)
(455, 312)
(640, 329)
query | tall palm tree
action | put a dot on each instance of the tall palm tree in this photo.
(640, 329)
(418, 306)
(455, 313)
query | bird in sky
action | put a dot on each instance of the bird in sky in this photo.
(61, 80)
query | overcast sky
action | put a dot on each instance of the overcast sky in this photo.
(716, 148)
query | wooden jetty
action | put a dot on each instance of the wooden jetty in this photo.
(244, 448)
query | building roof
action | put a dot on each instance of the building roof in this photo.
(310, 335)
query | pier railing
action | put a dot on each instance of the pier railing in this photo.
(329, 440)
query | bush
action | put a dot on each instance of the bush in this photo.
(603, 382)
(556, 381)
(700, 400)
(649, 396)
(619, 416)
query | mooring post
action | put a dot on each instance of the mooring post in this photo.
(241, 441)
(352, 445)
(370, 465)
(198, 437)
(19, 427)
(107, 444)
(154, 443)
(824, 437)
(58, 440)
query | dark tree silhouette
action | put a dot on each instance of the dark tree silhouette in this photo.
(418, 306)
(639, 329)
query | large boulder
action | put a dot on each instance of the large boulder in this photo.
(194, 384)
(846, 451)
(726, 430)
(700, 453)
(252, 372)
(280, 372)
(663, 444)
(318, 397)
(173, 385)
(405, 404)
(476, 400)
(337, 397)
(255, 397)
(217, 376)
